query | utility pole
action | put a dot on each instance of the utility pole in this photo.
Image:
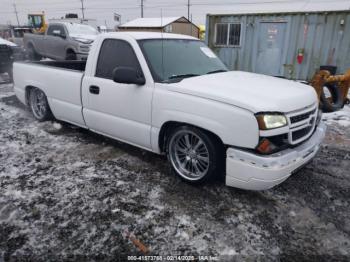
(82, 8)
(14, 6)
(188, 9)
(142, 8)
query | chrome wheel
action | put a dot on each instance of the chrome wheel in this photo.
(189, 155)
(38, 103)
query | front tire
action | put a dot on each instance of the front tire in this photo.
(71, 56)
(39, 105)
(195, 155)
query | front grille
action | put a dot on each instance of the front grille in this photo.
(5, 49)
(296, 135)
(2, 47)
(299, 118)
(85, 48)
(301, 125)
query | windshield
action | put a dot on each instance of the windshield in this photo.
(180, 59)
(79, 29)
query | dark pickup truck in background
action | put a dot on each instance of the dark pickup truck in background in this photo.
(9, 52)
(61, 41)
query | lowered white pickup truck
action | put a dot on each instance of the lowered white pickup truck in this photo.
(170, 94)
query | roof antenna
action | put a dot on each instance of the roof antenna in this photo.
(161, 30)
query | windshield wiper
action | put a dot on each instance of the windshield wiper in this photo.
(216, 71)
(178, 78)
(182, 76)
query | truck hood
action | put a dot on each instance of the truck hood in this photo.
(254, 92)
(5, 42)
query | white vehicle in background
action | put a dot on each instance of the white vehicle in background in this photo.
(170, 94)
(61, 41)
(102, 29)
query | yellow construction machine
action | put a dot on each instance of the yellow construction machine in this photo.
(332, 90)
(37, 22)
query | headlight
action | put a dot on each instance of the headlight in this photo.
(271, 121)
(84, 41)
(84, 48)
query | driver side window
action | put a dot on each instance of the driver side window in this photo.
(55, 30)
(115, 53)
(51, 29)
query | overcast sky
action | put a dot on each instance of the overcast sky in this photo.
(103, 10)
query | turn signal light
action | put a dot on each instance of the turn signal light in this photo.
(265, 146)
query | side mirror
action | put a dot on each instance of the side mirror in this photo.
(128, 75)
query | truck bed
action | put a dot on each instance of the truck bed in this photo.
(72, 65)
(60, 81)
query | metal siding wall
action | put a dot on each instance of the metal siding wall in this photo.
(347, 41)
(343, 57)
(295, 25)
(326, 42)
(248, 43)
(285, 70)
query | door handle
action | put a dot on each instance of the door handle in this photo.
(94, 90)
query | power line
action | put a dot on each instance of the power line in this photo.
(188, 9)
(14, 6)
(142, 5)
(82, 8)
(189, 4)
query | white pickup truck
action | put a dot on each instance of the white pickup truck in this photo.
(170, 94)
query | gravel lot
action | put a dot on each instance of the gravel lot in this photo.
(69, 194)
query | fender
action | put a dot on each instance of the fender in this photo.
(233, 125)
(70, 47)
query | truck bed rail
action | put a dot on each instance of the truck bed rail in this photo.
(72, 65)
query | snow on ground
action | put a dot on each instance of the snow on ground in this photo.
(341, 118)
(66, 193)
(5, 90)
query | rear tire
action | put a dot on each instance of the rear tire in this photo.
(39, 105)
(32, 54)
(196, 156)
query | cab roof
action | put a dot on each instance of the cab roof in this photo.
(150, 35)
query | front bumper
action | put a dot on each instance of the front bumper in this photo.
(254, 172)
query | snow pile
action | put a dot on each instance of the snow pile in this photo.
(341, 117)
(6, 90)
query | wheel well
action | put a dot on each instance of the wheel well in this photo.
(30, 46)
(27, 92)
(171, 125)
(70, 51)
